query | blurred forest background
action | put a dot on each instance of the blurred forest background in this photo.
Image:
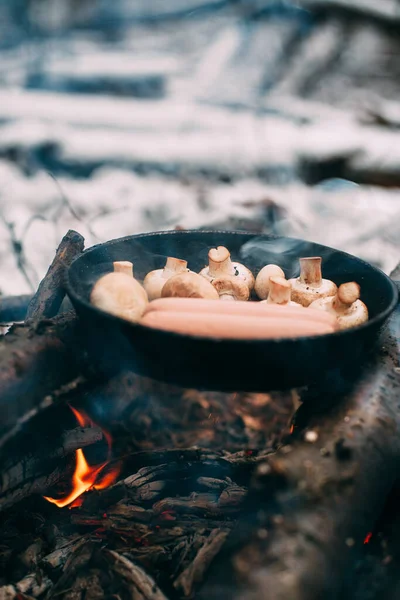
(135, 115)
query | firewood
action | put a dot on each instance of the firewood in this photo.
(32, 365)
(21, 476)
(195, 572)
(314, 501)
(50, 294)
(135, 576)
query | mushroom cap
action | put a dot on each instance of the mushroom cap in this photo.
(232, 287)
(354, 316)
(242, 272)
(188, 285)
(305, 294)
(263, 277)
(153, 283)
(347, 317)
(155, 280)
(120, 295)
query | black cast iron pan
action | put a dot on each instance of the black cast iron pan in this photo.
(226, 365)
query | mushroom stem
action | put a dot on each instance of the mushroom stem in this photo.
(279, 291)
(219, 261)
(123, 266)
(310, 271)
(175, 265)
(346, 295)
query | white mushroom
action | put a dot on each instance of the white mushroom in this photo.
(262, 280)
(188, 285)
(120, 295)
(346, 305)
(219, 263)
(279, 292)
(123, 266)
(231, 288)
(155, 280)
(310, 286)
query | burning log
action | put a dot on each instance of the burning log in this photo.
(36, 471)
(312, 503)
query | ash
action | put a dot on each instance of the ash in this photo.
(118, 118)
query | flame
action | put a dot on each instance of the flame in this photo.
(85, 476)
(291, 429)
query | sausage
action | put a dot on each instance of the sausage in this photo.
(229, 326)
(243, 309)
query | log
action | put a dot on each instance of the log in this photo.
(50, 294)
(30, 473)
(33, 365)
(311, 505)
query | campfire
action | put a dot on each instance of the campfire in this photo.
(115, 485)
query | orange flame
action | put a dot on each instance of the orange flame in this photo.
(86, 477)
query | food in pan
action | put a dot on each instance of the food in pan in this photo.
(280, 323)
(310, 286)
(154, 281)
(279, 292)
(219, 264)
(185, 302)
(263, 278)
(231, 288)
(346, 306)
(189, 285)
(120, 294)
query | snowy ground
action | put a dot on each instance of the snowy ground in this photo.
(194, 123)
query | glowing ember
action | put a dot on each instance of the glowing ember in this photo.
(368, 538)
(86, 477)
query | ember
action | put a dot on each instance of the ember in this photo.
(85, 476)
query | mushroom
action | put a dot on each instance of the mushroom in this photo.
(263, 277)
(154, 281)
(120, 295)
(219, 263)
(123, 266)
(346, 305)
(188, 285)
(231, 288)
(279, 292)
(310, 286)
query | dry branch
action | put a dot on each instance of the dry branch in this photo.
(50, 294)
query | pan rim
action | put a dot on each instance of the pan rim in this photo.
(380, 318)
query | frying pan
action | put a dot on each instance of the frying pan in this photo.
(215, 364)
